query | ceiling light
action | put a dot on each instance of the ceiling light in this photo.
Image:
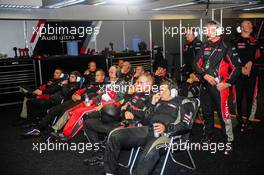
(99, 3)
(175, 6)
(253, 8)
(18, 6)
(124, 1)
(65, 3)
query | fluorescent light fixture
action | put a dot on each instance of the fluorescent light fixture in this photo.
(12, 6)
(124, 1)
(174, 6)
(99, 3)
(65, 3)
(253, 8)
(119, 2)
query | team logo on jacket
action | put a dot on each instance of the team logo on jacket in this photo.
(134, 100)
(187, 118)
(172, 105)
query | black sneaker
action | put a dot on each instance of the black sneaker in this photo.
(31, 133)
(228, 150)
(94, 161)
(22, 90)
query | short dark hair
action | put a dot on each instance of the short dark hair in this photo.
(245, 20)
(76, 73)
(59, 68)
(167, 83)
(92, 62)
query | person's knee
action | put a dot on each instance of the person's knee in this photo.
(115, 135)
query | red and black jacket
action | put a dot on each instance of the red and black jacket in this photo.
(218, 59)
(137, 104)
(91, 90)
(248, 49)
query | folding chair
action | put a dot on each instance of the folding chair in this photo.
(131, 160)
(185, 136)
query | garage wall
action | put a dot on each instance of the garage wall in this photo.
(12, 35)
(110, 31)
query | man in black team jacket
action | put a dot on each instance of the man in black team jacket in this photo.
(77, 97)
(191, 47)
(162, 118)
(37, 102)
(125, 72)
(218, 65)
(133, 110)
(64, 94)
(89, 74)
(249, 52)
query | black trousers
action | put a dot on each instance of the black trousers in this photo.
(37, 108)
(56, 111)
(93, 127)
(245, 87)
(127, 138)
(211, 98)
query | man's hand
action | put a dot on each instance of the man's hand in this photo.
(124, 107)
(247, 68)
(76, 97)
(248, 65)
(37, 92)
(222, 86)
(210, 79)
(131, 89)
(192, 78)
(157, 72)
(64, 82)
(245, 71)
(159, 128)
(129, 115)
(155, 98)
(87, 72)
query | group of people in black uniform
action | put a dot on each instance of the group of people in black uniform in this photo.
(139, 111)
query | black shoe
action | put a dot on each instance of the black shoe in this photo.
(94, 161)
(229, 149)
(31, 133)
(22, 89)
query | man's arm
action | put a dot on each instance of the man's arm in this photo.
(186, 120)
(198, 63)
(234, 63)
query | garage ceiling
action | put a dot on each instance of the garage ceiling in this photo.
(144, 5)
